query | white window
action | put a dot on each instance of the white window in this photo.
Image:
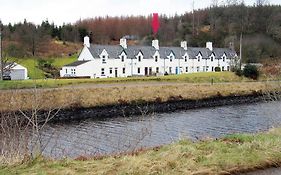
(102, 71)
(186, 69)
(198, 69)
(223, 58)
(139, 58)
(66, 71)
(171, 58)
(157, 69)
(122, 58)
(212, 58)
(156, 58)
(222, 68)
(124, 70)
(170, 70)
(110, 70)
(185, 58)
(139, 70)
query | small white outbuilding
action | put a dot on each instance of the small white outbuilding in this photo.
(15, 71)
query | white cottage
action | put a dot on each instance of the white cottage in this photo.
(103, 61)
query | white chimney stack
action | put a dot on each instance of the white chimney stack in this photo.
(87, 41)
(209, 45)
(123, 43)
(155, 44)
(184, 45)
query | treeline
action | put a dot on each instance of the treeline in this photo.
(223, 24)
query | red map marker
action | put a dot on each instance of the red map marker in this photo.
(155, 24)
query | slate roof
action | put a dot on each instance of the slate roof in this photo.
(114, 51)
(76, 63)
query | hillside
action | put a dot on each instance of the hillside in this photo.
(260, 25)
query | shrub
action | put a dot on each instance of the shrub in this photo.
(217, 69)
(251, 71)
(238, 72)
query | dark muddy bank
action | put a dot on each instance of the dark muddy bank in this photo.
(144, 108)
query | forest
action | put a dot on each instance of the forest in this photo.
(260, 26)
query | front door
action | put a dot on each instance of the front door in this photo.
(146, 71)
(116, 72)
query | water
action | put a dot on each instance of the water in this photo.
(119, 134)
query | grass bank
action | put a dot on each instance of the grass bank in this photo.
(216, 77)
(93, 96)
(231, 154)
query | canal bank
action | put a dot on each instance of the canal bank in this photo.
(232, 154)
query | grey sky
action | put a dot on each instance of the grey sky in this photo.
(65, 11)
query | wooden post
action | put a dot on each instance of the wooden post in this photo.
(241, 38)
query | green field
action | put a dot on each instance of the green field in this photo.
(231, 154)
(209, 77)
(34, 72)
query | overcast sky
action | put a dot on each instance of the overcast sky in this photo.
(69, 11)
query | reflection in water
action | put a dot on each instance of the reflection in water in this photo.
(92, 137)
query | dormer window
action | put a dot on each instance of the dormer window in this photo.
(139, 58)
(156, 58)
(185, 58)
(212, 58)
(103, 59)
(122, 58)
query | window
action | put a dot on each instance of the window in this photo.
(222, 68)
(139, 58)
(66, 71)
(199, 58)
(139, 69)
(204, 68)
(124, 70)
(171, 58)
(157, 69)
(228, 68)
(223, 58)
(198, 69)
(110, 70)
(207, 68)
(170, 70)
(122, 58)
(102, 71)
(103, 59)
(212, 58)
(156, 58)
(186, 69)
(73, 71)
(185, 58)
(212, 68)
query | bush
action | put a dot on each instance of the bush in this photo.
(238, 72)
(217, 69)
(251, 71)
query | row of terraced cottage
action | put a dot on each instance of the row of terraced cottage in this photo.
(103, 61)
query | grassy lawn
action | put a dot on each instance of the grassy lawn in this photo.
(32, 65)
(216, 77)
(234, 153)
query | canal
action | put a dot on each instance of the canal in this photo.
(120, 134)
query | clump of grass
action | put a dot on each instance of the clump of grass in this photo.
(232, 154)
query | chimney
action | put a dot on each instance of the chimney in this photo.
(87, 41)
(155, 44)
(184, 45)
(123, 43)
(209, 45)
(231, 46)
